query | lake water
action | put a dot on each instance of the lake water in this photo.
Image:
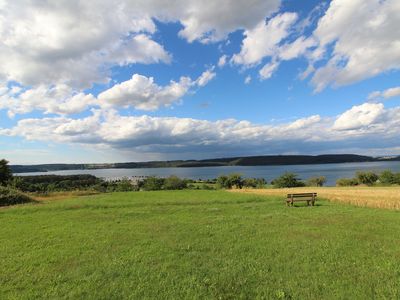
(331, 171)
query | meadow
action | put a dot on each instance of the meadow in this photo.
(197, 245)
(378, 197)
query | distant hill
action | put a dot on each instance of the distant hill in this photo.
(265, 160)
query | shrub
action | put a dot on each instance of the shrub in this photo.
(346, 182)
(368, 178)
(123, 185)
(316, 181)
(9, 196)
(254, 182)
(174, 183)
(236, 180)
(46, 183)
(387, 177)
(223, 182)
(232, 180)
(153, 183)
(287, 180)
(396, 179)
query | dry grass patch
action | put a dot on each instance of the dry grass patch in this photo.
(61, 195)
(378, 197)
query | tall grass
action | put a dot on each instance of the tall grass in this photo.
(378, 197)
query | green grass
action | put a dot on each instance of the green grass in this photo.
(197, 245)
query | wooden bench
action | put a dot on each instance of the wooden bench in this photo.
(309, 197)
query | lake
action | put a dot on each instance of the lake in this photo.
(331, 171)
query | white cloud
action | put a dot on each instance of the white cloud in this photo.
(297, 48)
(360, 116)
(214, 20)
(139, 49)
(222, 60)
(76, 42)
(366, 126)
(365, 39)
(268, 69)
(58, 99)
(247, 80)
(142, 93)
(264, 39)
(386, 94)
(206, 77)
(72, 42)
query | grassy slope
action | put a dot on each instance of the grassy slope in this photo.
(197, 244)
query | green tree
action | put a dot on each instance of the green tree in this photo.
(287, 180)
(387, 177)
(254, 182)
(316, 181)
(236, 180)
(153, 183)
(174, 183)
(5, 172)
(346, 182)
(223, 182)
(368, 178)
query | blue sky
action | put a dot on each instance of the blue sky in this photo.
(132, 80)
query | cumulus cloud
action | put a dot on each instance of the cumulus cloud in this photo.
(360, 116)
(76, 42)
(143, 93)
(213, 21)
(58, 99)
(365, 39)
(140, 92)
(72, 42)
(264, 39)
(366, 125)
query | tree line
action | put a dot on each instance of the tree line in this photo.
(13, 189)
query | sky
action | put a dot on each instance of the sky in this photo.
(87, 81)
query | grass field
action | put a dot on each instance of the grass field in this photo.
(378, 197)
(197, 245)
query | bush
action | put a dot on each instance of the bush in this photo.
(368, 178)
(396, 178)
(152, 183)
(232, 180)
(316, 181)
(387, 177)
(9, 196)
(254, 183)
(287, 180)
(123, 185)
(50, 183)
(223, 182)
(346, 182)
(236, 180)
(174, 183)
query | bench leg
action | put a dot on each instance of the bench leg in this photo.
(308, 203)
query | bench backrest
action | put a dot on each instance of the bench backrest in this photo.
(299, 195)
